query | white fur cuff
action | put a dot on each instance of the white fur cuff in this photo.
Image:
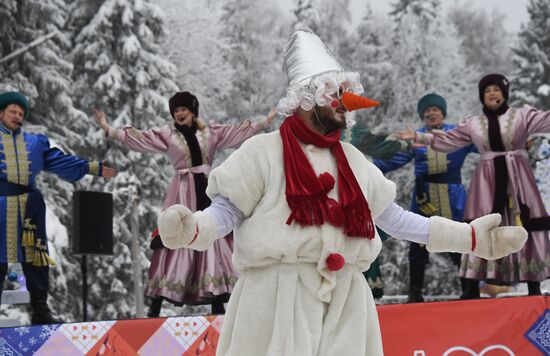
(449, 236)
(206, 231)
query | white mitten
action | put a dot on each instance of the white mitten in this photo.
(179, 227)
(491, 241)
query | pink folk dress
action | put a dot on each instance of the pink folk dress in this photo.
(185, 276)
(532, 262)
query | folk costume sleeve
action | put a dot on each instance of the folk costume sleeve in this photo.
(448, 141)
(228, 136)
(379, 147)
(538, 121)
(146, 141)
(397, 161)
(66, 166)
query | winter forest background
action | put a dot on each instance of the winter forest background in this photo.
(127, 57)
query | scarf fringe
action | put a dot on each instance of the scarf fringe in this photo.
(358, 221)
(308, 210)
(314, 210)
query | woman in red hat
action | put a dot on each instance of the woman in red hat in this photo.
(503, 183)
(185, 276)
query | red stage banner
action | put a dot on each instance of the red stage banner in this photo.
(490, 327)
(517, 326)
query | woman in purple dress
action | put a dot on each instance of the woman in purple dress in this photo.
(503, 183)
(185, 276)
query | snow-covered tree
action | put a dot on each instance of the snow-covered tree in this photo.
(531, 79)
(485, 40)
(328, 19)
(197, 46)
(256, 32)
(426, 57)
(367, 51)
(43, 74)
(118, 69)
(426, 10)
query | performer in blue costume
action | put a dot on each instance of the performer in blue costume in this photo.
(22, 209)
(438, 185)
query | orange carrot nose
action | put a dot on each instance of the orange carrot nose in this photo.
(354, 102)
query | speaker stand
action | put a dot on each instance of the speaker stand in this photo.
(84, 270)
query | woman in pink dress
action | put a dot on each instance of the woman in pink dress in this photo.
(185, 276)
(503, 182)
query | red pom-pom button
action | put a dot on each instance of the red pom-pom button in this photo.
(327, 181)
(335, 261)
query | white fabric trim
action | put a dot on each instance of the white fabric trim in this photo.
(225, 214)
(404, 225)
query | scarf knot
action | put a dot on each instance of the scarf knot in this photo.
(307, 193)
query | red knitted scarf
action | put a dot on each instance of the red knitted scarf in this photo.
(306, 193)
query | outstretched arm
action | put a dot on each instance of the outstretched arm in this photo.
(483, 237)
(442, 141)
(72, 167)
(233, 135)
(397, 161)
(146, 141)
(179, 227)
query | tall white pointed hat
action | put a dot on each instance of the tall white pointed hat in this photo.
(306, 57)
(314, 75)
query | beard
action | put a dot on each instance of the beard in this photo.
(326, 119)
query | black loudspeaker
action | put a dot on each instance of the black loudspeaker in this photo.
(92, 223)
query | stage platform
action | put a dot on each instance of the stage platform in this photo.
(518, 326)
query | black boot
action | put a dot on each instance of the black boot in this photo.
(471, 289)
(218, 308)
(463, 284)
(416, 272)
(41, 313)
(533, 288)
(155, 307)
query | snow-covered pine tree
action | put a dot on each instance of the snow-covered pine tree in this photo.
(366, 51)
(256, 32)
(425, 9)
(197, 45)
(531, 78)
(328, 19)
(119, 69)
(426, 56)
(485, 40)
(44, 76)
